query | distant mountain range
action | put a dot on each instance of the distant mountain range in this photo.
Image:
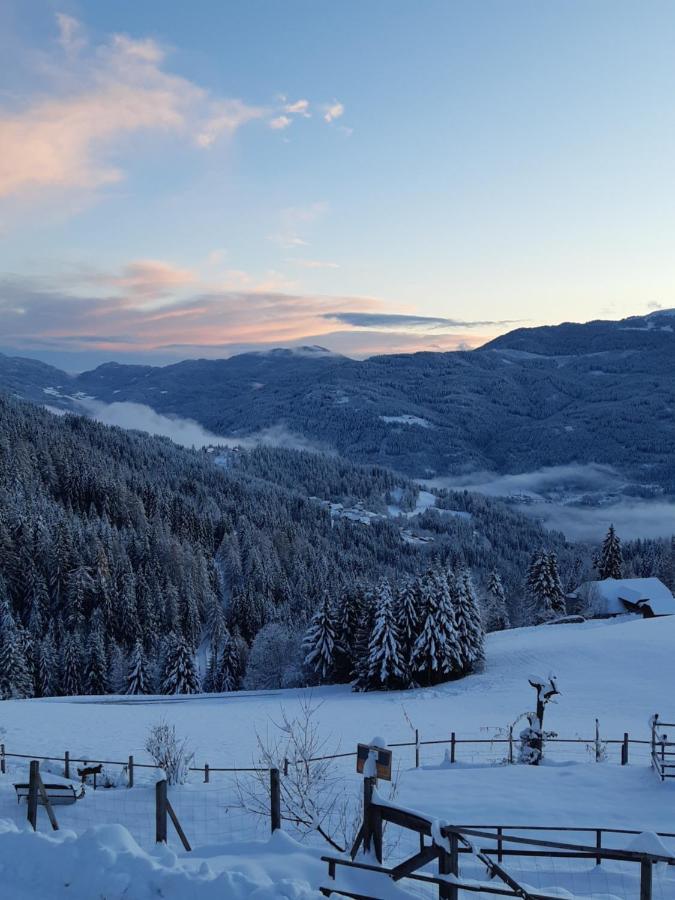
(601, 393)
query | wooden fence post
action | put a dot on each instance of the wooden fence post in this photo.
(448, 864)
(368, 787)
(160, 812)
(417, 749)
(66, 764)
(453, 743)
(275, 799)
(624, 749)
(500, 844)
(597, 741)
(130, 772)
(598, 846)
(646, 879)
(2, 759)
(206, 773)
(511, 744)
(33, 792)
(654, 724)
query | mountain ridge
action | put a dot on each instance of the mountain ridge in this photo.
(602, 392)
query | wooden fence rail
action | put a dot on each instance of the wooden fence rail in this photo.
(662, 756)
(455, 840)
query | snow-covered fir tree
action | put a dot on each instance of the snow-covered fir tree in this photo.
(47, 667)
(319, 641)
(361, 642)
(15, 679)
(138, 677)
(436, 654)
(180, 673)
(231, 665)
(71, 665)
(97, 664)
(610, 562)
(495, 610)
(346, 627)
(408, 619)
(468, 622)
(385, 667)
(544, 588)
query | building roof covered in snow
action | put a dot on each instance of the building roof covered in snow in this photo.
(615, 596)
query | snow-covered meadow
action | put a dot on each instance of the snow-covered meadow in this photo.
(620, 671)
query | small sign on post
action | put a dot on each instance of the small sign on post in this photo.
(382, 759)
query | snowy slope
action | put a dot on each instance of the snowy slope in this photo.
(621, 671)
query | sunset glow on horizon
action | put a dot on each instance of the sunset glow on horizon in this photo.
(385, 177)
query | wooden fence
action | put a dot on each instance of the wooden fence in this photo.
(663, 758)
(663, 754)
(39, 794)
(449, 842)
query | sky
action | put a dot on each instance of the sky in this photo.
(197, 179)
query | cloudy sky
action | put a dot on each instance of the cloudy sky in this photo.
(200, 178)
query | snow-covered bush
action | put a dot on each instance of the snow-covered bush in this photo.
(169, 752)
(274, 660)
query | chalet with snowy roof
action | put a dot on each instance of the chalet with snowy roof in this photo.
(648, 597)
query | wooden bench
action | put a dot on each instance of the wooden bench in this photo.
(58, 794)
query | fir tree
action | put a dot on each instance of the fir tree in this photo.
(180, 675)
(611, 559)
(346, 626)
(319, 641)
(15, 679)
(97, 669)
(544, 588)
(385, 669)
(47, 669)
(436, 653)
(230, 667)
(407, 616)
(467, 620)
(71, 666)
(117, 669)
(138, 678)
(496, 613)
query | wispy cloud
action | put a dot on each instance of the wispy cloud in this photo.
(295, 221)
(405, 322)
(333, 111)
(298, 108)
(279, 123)
(68, 138)
(314, 263)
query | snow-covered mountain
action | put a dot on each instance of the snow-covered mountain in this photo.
(601, 392)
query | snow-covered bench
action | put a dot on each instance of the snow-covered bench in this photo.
(58, 794)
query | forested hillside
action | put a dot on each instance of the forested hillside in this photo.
(600, 393)
(120, 550)
(129, 563)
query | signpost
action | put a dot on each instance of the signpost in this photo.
(381, 758)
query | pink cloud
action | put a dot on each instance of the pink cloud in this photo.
(66, 140)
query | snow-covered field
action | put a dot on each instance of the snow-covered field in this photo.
(621, 672)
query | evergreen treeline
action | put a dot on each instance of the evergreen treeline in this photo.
(425, 631)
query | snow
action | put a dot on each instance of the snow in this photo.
(594, 663)
(620, 671)
(105, 861)
(407, 420)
